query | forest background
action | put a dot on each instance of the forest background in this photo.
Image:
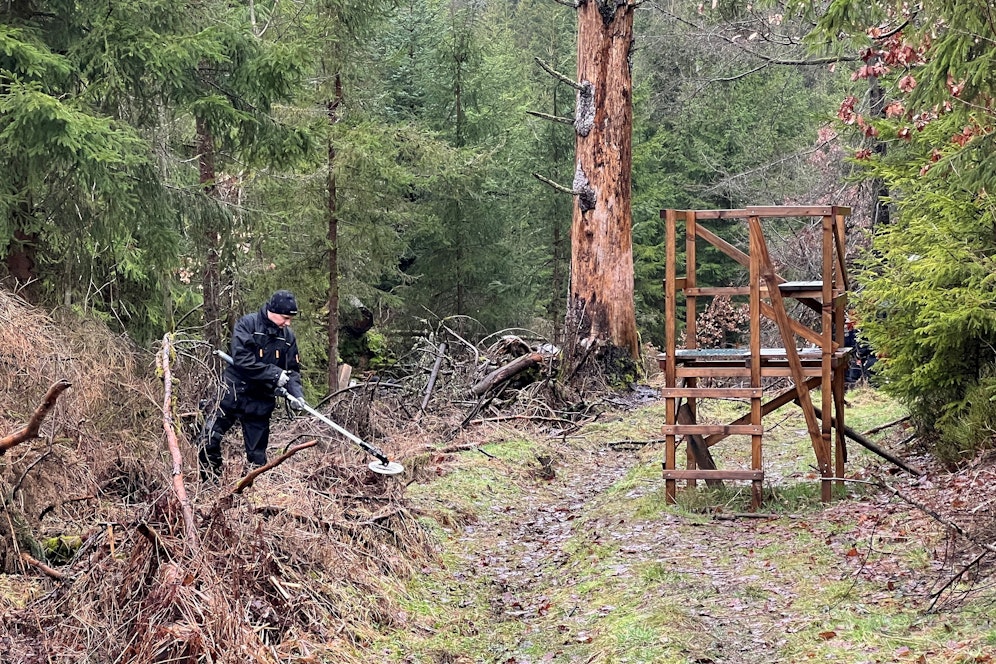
(166, 165)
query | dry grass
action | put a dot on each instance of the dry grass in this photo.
(289, 570)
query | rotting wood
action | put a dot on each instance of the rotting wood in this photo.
(169, 426)
(34, 424)
(247, 481)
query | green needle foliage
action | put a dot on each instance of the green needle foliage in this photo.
(928, 303)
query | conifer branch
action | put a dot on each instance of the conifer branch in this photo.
(557, 75)
(552, 118)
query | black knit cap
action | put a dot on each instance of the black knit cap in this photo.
(282, 302)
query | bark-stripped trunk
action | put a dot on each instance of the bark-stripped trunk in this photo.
(601, 315)
(332, 238)
(211, 279)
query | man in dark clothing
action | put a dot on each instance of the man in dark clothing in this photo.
(264, 354)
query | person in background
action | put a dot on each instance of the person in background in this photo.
(265, 358)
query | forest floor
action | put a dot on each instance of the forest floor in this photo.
(564, 550)
(500, 544)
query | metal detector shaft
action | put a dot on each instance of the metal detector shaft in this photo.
(359, 441)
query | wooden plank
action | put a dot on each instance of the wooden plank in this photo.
(790, 211)
(714, 214)
(712, 372)
(670, 331)
(713, 291)
(787, 287)
(805, 401)
(724, 246)
(840, 228)
(713, 392)
(670, 295)
(769, 211)
(708, 429)
(776, 402)
(691, 304)
(752, 475)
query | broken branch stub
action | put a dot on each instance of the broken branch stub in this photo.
(31, 430)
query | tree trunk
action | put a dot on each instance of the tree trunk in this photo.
(880, 190)
(211, 279)
(601, 317)
(332, 239)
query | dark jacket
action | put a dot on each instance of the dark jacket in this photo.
(260, 351)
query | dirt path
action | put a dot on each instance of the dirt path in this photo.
(528, 556)
(592, 566)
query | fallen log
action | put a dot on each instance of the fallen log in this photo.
(502, 374)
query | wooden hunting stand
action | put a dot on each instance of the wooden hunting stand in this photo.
(820, 362)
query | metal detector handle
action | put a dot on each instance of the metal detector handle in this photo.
(225, 356)
(283, 392)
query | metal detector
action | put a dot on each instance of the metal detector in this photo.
(383, 465)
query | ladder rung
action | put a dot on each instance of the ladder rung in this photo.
(709, 429)
(713, 392)
(752, 475)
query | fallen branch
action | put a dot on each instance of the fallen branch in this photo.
(510, 370)
(622, 444)
(31, 430)
(882, 427)
(157, 541)
(247, 481)
(42, 567)
(186, 507)
(988, 546)
(733, 516)
(872, 447)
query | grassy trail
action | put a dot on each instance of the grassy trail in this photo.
(591, 565)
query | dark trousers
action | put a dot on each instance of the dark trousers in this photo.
(255, 434)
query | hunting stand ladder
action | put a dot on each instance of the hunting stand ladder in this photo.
(819, 362)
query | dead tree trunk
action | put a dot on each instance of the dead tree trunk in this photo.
(601, 318)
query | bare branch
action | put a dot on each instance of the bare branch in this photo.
(557, 75)
(559, 187)
(42, 567)
(247, 481)
(552, 118)
(31, 430)
(186, 507)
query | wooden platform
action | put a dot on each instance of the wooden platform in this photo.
(811, 357)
